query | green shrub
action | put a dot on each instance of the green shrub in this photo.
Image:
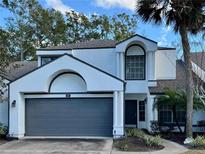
(122, 144)
(135, 132)
(3, 130)
(149, 140)
(198, 142)
(153, 141)
(124, 147)
(130, 131)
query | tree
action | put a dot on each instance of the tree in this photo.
(7, 55)
(5, 51)
(32, 26)
(185, 16)
(82, 27)
(177, 99)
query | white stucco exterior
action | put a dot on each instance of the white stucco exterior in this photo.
(68, 82)
(90, 71)
(99, 81)
(94, 73)
(101, 58)
(165, 64)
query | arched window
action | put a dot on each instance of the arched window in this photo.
(135, 63)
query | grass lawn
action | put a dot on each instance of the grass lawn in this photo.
(194, 152)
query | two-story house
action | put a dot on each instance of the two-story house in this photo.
(93, 89)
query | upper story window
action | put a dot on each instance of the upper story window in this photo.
(45, 60)
(135, 63)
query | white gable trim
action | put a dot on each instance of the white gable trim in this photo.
(147, 44)
(96, 79)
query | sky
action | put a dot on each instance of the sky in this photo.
(160, 33)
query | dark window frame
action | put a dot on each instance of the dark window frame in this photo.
(126, 62)
(142, 105)
(179, 111)
(52, 58)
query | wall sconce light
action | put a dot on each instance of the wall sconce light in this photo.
(13, 104)
(67, 95)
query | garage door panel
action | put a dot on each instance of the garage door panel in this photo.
(69, 117)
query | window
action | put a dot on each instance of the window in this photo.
(45, 60)
(181, 115)
(135, 63)
(141, 110)
(165, 115)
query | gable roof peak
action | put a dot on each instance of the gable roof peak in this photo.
(93, 43)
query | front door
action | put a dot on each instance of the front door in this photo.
(131, 112)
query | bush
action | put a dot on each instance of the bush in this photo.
(198, 142)
(153, 141)
(130, 131)
(124, 147)
(122, 144)
(3, 130)
(149, 140)
(135, 132)
(154, 126)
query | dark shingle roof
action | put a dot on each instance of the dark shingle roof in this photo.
(199, 59)
(178, 83)
(166, 48)
(91, 45)
(85, 45)
(20, 68)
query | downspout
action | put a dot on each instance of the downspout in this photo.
(8, 109)
(124, 88)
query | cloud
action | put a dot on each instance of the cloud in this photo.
(128, 4)
(163, 38)
(58, 5)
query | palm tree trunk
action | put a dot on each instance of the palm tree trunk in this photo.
(189, 80)
(176, 120)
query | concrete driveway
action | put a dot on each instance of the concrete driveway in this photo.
(60, 146)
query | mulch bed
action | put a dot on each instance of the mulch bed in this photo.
(2, 141)
(134, 144)
(175, 137)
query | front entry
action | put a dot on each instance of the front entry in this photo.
(131, 113)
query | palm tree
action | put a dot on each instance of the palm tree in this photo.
(177, 99)
(186, 16)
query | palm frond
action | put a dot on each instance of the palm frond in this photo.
(176, 13)
(177, 98)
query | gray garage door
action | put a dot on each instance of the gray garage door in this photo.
(69, 117)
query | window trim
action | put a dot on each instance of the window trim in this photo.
(144, 62)
(56, 56)
(144, 111)
(172, 117)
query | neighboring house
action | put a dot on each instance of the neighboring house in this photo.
(93, 89)
(15, 70)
